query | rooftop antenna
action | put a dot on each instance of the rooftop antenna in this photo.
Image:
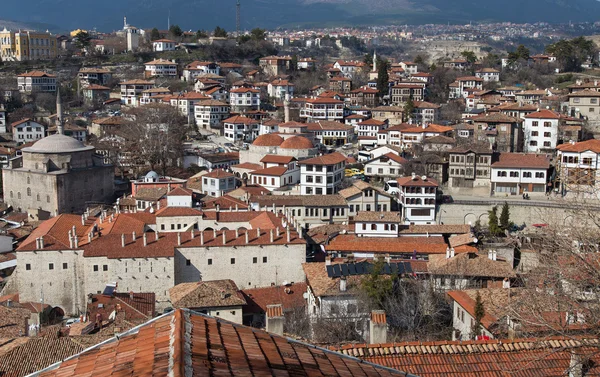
(169, 20)
(238, 8)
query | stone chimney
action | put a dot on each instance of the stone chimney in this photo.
(224, 238)
(247, 238)
(145, 238)
(122, 240)
(343, 284)
(378, 327)
(327, 261)
(178, 238)
(271, 235)
(275, 319)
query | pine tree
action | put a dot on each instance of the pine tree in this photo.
(505, 217)
(493, 222)
(376, 286)
(409, 109)
(479, 312)
(382, 77)
(154, 34)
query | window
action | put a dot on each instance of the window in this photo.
(188, 262)
(264, 259)
(95, 268)
(540, 174)
(28, 266)
(527, 174)
(232, 260)
(547, 134)
(162, 226)
(586, 160)
(547, 144)
(209, 261)
(514, 174)
(254, 260)
(105, 267)
(591, 109)
(547, 124)
(534, 133)
(535, 123)
(65, 266)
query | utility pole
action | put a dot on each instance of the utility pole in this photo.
(237, 17)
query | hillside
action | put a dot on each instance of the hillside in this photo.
(206, 14)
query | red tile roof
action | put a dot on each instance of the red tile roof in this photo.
(536, 357)
(328, 159)
(36, 354)
(276, 159)
(218, 173)
(268, 140)
(224, 202)
(351, 243)
(178, 211)
(36, 74)
(290, 297)
(522, 160)
(543, 114)
(238, 119)
(417, 181)
(188, 343)
(582, 146)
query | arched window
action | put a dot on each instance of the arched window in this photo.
(373, 226)
(18, 195)
(48, 198)
(28, 191)
(11, 194)
(38, 197)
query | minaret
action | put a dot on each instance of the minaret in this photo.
(374, 61)
(59, 113)
(124, 22)
(286, 108)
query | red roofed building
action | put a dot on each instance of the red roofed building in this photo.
(36, 81)
(322, 175)
(541, 131)
(520, 173)
(218, 182)
(578, 166)
(240, 128)
(389, 165)
(322, 108)
(244, 99)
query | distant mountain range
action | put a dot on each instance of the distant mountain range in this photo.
(206, 14)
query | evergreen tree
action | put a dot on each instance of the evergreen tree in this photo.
(175, 30)
(154, 34)
(493, 222)
(201, 34)
(409, 109)
(376, 285)
(469, 56)
(505, 217)
(82, 39)
(479, 312)
(258, 34)
(220, 32)
(382, 77)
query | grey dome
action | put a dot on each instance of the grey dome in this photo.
(57, 143)
(152, 175)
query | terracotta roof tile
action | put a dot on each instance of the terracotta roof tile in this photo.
(522, 160)
(582, 146)
(206, 294)
(289, 296)
(349, 243)
(328, 159)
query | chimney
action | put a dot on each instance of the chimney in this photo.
(413, 176)
(192, 234)
(70, 241)
(224, 237)
(271, 235)
(90, 237)
(378, 327)
(288, 234)
(131, 295)
(122, 240)
(451, 252)
(257, 232)
(178, 239)
(75, 241)
(237, 232)
(201, 238)
(214, 233)
(134, 237)
(218, 207)
(277, 231)
(576, 365)
(247, 238)
(275, 319)
(506, 283)
(343, 284)
(41, 242)
(82, 219)
(156, 233)
(236, 208)
(492, 254)
(327, 261)
(145, 238)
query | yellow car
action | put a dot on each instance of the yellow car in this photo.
(352, 172)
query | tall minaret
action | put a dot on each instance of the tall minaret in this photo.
(374, 61)
(286, 108)
(59, 113)
(125, 23)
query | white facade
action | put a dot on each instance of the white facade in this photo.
(163, 45)
(318, 179)
(280, 89)
(375, 229)
(210, 113)
(243, 99)
(218, 186)
(2, 120)
(161, 68)
(28, 131)
(383, 167)
(463, 323)
(540, 134)
(418, 199)
(274, 181)
(131, 91)
(409, 68)
(579, 171)
(241, 131)
(36, 82)
(322, 109)
(514, 181)
(488, 75)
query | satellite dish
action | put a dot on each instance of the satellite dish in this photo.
(151, 209)
(284, 224)
(475, 240)
(112, 315)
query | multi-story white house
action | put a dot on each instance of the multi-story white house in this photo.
(244, 99)
(154, 95)
(211, 113)
(389, 165)
(578, 167)
(541, 131)
(36, 81)
(241, 128)
(322, 175)
(464, 85)
(160, 45)
(331, 133)
(418, 199)
(27, 130)
(186, 103)
(131, 91)
(91, 76)
(401, 92)
(216, 92)
(520, 173)
(425, 112)
(322, 109)
(370, 127)
(160, 68)
(488, 74)
(349, 68)
(377, 224)
(410, 68)
(197, 68)
(280, 89)
(218, 183)
(277, 172)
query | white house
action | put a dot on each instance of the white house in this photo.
(179, 197)
(26, 130)
(418, 199)
(377, 224)
(131, 91)
(36, 81)
(425, 112)
(331, 133)
(370, 127)
(322, 109)
(488, 74)
(240, 128)
(218, 183)
(410, 68)
(244, 99)
(210, 113)
(2, 119)
(389, 165)
(520, 173)
(348, 68)
(198, 68)
(160, 45)
(277, 172)
(280, 88)
(160, 68)
(578, 165)
(322, 175)
(186, 103)
(541, 131)
(464, 84)
(154, 95)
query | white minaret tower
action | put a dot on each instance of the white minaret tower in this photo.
(59, 113)
(125, 23)
(374, 61)
(286, 108)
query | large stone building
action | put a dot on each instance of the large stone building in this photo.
(57, 174)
